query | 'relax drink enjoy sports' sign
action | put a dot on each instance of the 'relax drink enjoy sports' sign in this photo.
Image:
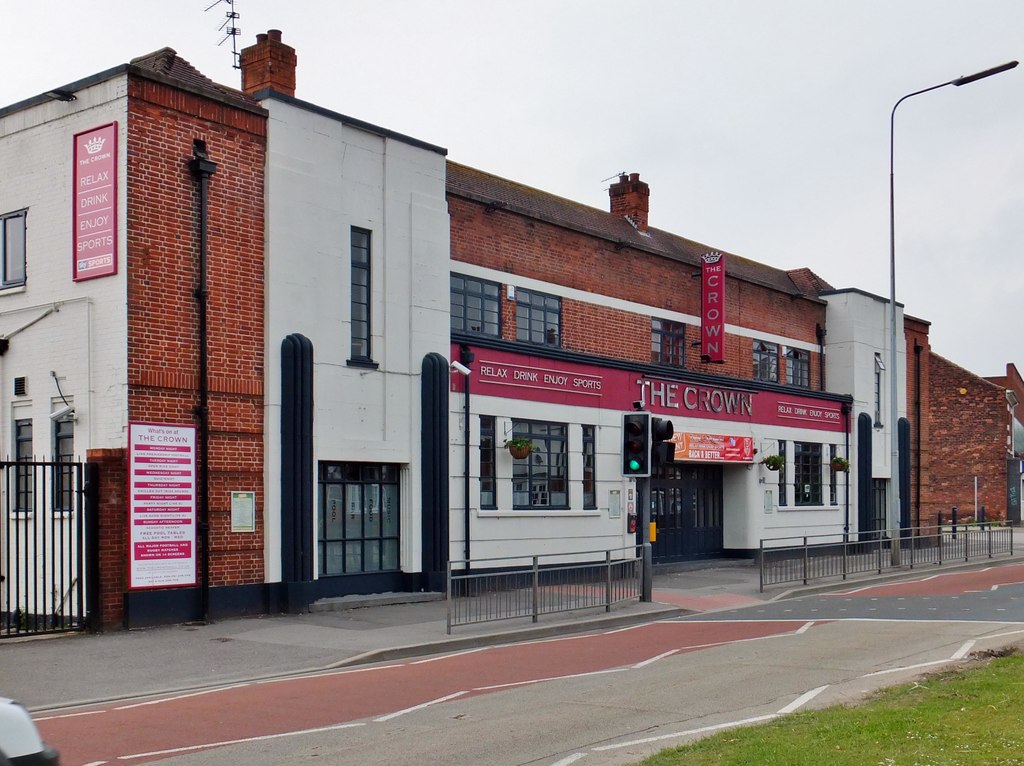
(95, 203)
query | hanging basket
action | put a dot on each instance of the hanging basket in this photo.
(773, 462)
(840, 464)
(519, 448)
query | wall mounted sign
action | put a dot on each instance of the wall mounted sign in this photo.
(162, 505)
(94, 196)
(712, 308)
(713, 448)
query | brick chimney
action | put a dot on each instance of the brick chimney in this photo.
(268, 64)
(630, 197)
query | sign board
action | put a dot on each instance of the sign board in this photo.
(243, 511)
(712, 308)
(713, 448)
(162, 506)
(94, 196)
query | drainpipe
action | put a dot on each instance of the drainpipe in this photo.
(820, 332)
(846, 511)
(202, 169)
(466, 357)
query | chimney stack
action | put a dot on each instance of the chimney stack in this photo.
(630, 197)
(268, 64)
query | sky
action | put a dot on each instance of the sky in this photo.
(762, 126)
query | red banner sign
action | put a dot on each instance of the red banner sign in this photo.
(713, 448)
(95, 201)
(712, 308)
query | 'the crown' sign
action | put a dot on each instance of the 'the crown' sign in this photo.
(712, 308)
(95, 203)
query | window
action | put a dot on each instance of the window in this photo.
(589, 483)
(766, 361)
(360, 295)
(538, 318)
(24, 475)
(668, 342)
(540, 480)
(12, 248)
(833, 497)
(783, 500)
(488, 498)
(798, 367)
(475, 306)
(358, 518)
(64, 472)
(807, 473)
(879, 369)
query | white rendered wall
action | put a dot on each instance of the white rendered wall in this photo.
(76, 330)
(323, 178)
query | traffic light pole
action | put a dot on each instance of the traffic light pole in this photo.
(643, 498)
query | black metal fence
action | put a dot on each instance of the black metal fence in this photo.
(42, 548)
(506, 588)
(817, 557)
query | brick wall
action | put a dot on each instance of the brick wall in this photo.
(918, 414)
(967, 438)
(162, 268)
(113, 528)
(527, 247)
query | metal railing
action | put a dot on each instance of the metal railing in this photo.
(505, 588)
(815, 557)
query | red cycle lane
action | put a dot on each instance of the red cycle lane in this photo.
(946, 584)
(112, 732)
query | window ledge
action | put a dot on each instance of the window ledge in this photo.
(12, 290)
(524, 513)
(367, 364)
(801, 508)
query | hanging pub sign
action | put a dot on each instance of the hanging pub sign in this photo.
(712, 308)
(94, 197)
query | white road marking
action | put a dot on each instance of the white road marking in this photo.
(905, 667)
(262, 738)
(413, 709)
(652, 660)
(68, 715)
(551, 678)
(806, 626)
(94, 763)
(180, 697)
(329, 672)
(802, 700)
(449, 656)
(570, 759)
(960, 653)
(1004, 635)
(701, 730)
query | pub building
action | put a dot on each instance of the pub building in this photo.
(568, 317)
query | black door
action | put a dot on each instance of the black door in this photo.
(686, 508)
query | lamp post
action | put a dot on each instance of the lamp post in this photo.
(894, 482)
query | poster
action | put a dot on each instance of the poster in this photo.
(94, 196)
(162, 507)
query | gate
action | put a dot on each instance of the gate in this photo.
(686, 508)
(42, 548)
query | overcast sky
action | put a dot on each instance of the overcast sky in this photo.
(762, 126)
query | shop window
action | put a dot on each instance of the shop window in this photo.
(358, 529)
(589, 476)
(540, 480)
(668, 342)
(766, 361)
(807, 473)
(24, 474)
(360, 302)
(488, 497)
(798, 367)
(475, 306)
(538, 318)
(64, 471)
(12, 248)
(783, 497)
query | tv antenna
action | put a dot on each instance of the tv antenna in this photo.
(229, 28)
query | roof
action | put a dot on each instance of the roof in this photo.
(166, 63)
(473, 184)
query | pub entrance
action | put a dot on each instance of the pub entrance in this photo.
(686, 508)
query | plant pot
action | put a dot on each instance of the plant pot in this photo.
(519, 451)
(840, 466)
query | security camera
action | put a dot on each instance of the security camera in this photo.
(67, 409)
(460, 367)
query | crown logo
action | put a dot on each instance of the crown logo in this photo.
(95, 144)
(714, 257)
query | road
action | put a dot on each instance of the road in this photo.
(594, 700)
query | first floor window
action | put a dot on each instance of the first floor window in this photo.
(475, 307)
(12, 249)
(358, 518)
(879, 369)
(766, 361)
(540, 480)
(538, 318)
(360, 303)
(798, 367)
(488, 495)
(24, 474)
(668, 342)
(64, 456)
(589, 489)
(807, 473)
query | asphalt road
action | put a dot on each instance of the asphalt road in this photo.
(595, 700)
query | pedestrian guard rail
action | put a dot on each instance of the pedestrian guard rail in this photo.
(490, 589)
(816, 557)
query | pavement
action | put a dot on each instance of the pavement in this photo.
(44, 673)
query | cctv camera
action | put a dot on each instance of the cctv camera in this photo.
(67, 409)
(460, 367)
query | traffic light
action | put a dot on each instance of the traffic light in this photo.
(662, 450)
(636, 444)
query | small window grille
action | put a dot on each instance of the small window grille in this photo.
(20, 387)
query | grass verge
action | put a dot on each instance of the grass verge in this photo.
(965, 717)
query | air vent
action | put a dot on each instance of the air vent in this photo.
(20, 387)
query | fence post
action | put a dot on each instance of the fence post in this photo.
(607, 581)
(806, 554)
(988, 535)
(450, 598)
(536, 587)
(760, 567)
(982, 519)
(881, 537)
(846, 551)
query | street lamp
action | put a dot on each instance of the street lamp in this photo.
(894, 483)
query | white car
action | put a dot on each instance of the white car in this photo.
(20, 744)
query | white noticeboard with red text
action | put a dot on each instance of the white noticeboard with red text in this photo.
(162, 508)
